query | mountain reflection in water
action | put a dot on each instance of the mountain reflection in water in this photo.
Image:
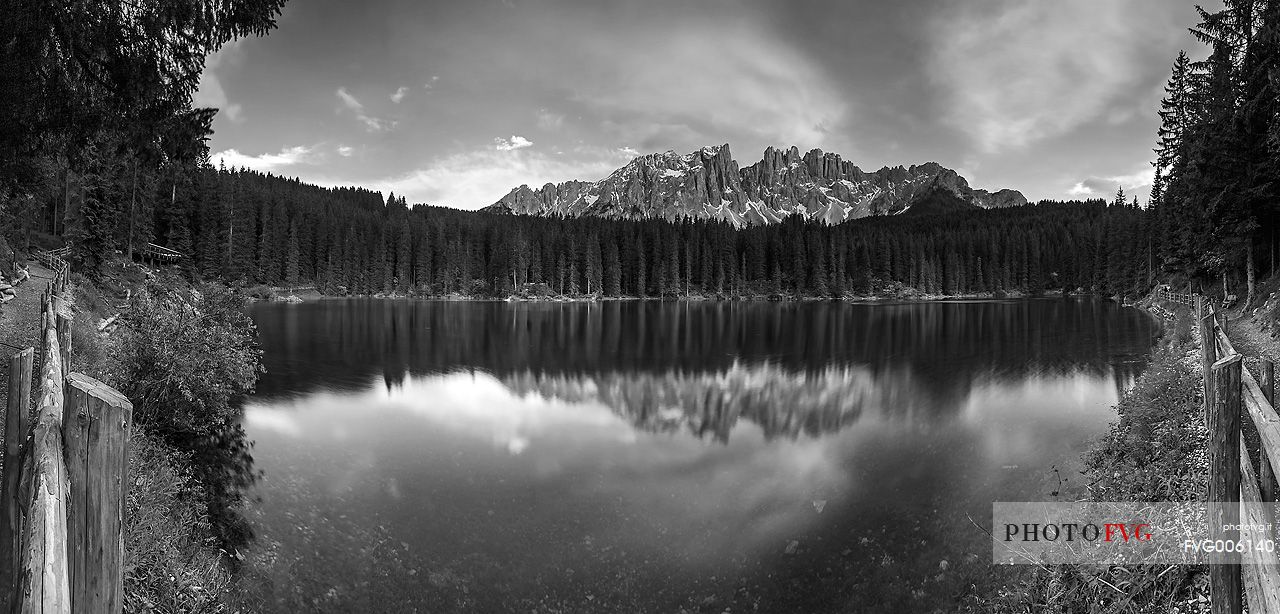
(660, 457)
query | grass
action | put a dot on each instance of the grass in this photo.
(172, 561)
(1155, 451)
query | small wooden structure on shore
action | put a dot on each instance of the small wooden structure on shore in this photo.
(159, 254)
(64, 480)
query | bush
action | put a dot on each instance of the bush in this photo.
(185, 357)
(1182, 327)
(1157, 450)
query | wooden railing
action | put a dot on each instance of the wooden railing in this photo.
(160, 253)
(61, 539)
(1187, 298)
(1231, 393)
(53, 260)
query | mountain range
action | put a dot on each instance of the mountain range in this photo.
(708, 185)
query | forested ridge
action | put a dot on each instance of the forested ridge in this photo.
(252, 228)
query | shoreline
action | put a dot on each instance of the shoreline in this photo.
(281, 295)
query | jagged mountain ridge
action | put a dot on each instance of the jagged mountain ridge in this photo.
(707, 184)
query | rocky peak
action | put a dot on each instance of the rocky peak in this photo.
(707, 184)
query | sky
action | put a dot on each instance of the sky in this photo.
(456, 103)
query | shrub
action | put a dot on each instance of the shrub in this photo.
(1182, 327)
(185, 357)
(1156, 451)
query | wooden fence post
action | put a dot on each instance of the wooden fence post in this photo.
(1224, 483)
(17, 425)
(95, 424)
(1266, 477)
(62, 323)
(42, 582)
(1208, 354)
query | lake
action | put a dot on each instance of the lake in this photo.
(647, 456)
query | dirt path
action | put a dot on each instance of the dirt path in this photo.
(1252, 342)
(19, 327)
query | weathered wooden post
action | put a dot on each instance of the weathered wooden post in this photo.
(17, 424)
(42, 576)
(62, 323)
(1208, 354)
(1224, 483)
(95, 426)
(1225, 321)
(1266, 476)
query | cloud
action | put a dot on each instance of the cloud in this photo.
(1134, 184)
(209, 92)
(548, 120)
(345, 151)
(430, 84)
(399, 94)
(628, 151)
(267, 162)
(476, 179)
(511, 144)
(350, 101)
(1013, 73)
(372, 124)
(1080, 190)
(747, 83)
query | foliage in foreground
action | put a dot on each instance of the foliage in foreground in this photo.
(172, 560)
(173, 556)
(1155, 451)
(185, 357)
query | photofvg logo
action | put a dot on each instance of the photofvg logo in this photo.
(1090, 532)
(1130, 533)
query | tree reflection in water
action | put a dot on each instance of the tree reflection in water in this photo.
(658, 457)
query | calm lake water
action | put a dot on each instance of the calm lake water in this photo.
(664, 457)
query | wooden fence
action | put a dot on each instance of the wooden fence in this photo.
(1231, 393)
(160, 253)
(64, 486)
(1186, 298)
(54, 262)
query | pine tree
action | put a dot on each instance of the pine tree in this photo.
(1176, 117)
(594, 266)
(613, 270)
(292, 257)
